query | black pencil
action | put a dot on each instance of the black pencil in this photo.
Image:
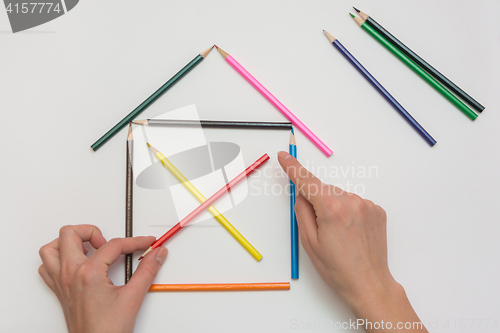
(419, 61)
(129, 200)
(215, 124)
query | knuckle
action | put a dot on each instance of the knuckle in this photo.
(115, 242)
(335, 204)
(86, 273)
(94, 229)
(335, 208)
(358, 204)
(383, 214)
(43, 251)
(65, 230)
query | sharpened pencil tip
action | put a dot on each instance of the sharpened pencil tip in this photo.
(206, 52)
(223, 53)
(293, 131)
(148, 144)
(331, 39)
(216, 47)
(352, 15)
(356, 9)
(129, 136)
(140, 122)
(144, 254)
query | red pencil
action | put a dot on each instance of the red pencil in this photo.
(175, 229)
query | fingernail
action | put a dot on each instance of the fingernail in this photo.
(284, 155)
(161, 255)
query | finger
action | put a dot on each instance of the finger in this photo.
(145, 274)
(49, 254)
(71, 238)
(42, 270)
(306, 221)
(112, 250)
(305, 182)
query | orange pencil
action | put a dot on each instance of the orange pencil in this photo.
(221, 287)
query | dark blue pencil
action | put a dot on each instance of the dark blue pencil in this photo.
(423, 133)
(294, 230)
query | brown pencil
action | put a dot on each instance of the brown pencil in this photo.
(221, 287)
(129, 200)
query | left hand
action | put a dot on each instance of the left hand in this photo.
(90, 300)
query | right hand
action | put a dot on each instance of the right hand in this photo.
(345, 238)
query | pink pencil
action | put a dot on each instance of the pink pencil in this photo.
(274, 101)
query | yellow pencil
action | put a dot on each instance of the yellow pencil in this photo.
(225, 223)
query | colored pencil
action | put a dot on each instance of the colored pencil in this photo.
(221, 287)
(167, 85)
(129, 200)
(421, 62)
(215, 124)
(175, 229)
(407, 116)
(294, 230)
(274, 101)
(410, 63)
(218, 216)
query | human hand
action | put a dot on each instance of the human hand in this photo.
(345, 238)
(89, 299)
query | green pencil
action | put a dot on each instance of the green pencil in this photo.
(150, 99)
(423, 74)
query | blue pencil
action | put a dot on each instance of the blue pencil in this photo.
(423, 133)
(294, 230)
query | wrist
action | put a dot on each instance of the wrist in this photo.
(387, 304)
(379, 299)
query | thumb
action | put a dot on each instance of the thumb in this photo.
(145, 273)
(306, 219)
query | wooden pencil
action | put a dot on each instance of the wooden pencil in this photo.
(405, 114)
(274, 101)
(216, 124)
(221, 287)
(129, 202)
(218, 216)
(416, 68)
(294, 229)
(176, 228)
(421, 62)
(141, 107)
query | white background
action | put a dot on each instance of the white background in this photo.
(65, 83)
